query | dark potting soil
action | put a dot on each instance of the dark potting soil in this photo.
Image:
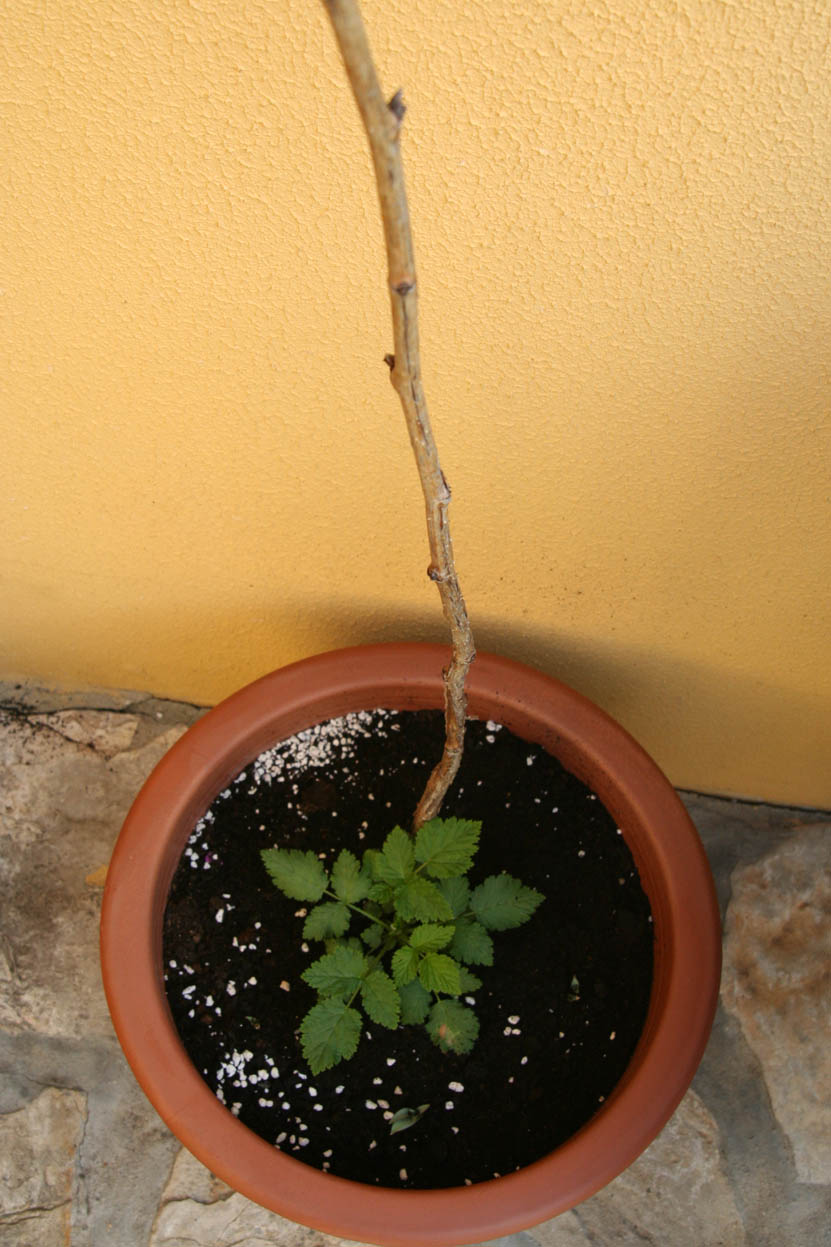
(560, 1011)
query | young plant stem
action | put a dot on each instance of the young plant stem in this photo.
(382, 122)
(373, 962)
(357, 909)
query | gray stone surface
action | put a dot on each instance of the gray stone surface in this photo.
(85, 1160)
(125, 1152)
(38, 1146)
(196, 1208)
(66, 782)
(777, 983)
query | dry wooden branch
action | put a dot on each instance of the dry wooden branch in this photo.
(382, 122)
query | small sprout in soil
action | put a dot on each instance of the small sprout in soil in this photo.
(406, 1117)
(424, 925)
(574, 989)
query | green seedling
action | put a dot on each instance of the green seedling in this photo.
(422, 925)
(406, 1117)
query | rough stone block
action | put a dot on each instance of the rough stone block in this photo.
(777, 983)
(62, 802)
(38, 1146)
(198, 1210)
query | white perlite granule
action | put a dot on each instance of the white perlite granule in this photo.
(318, 745)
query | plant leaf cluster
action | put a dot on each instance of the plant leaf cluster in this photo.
(401, 928)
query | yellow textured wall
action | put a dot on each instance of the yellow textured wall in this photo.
(622, 229)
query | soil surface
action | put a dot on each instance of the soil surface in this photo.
(560, 1011)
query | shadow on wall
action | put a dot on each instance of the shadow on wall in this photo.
(710, 729)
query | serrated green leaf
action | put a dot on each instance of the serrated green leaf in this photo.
(369, 860)
(502, 902)
(419, 900)
(338, 973)
(372, 935)
(397, 859)
(457, 894)
(446, 846)
(326, 920)
(453, 1026)
(439, 973)
(349, 882)
(380, 999)
(329, 1033)
(430, 937)
(381, 893)
(298, 874)
(404, 965)
(415, 1003)
(471, 943)
(468, 982)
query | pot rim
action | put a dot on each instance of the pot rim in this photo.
(667, 851)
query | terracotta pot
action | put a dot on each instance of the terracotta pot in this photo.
(673, 870)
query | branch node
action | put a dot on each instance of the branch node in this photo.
(397, 106)
(435, 574)
(389, 360)
(404, 287)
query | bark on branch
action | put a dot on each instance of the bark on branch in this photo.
(382, 122)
